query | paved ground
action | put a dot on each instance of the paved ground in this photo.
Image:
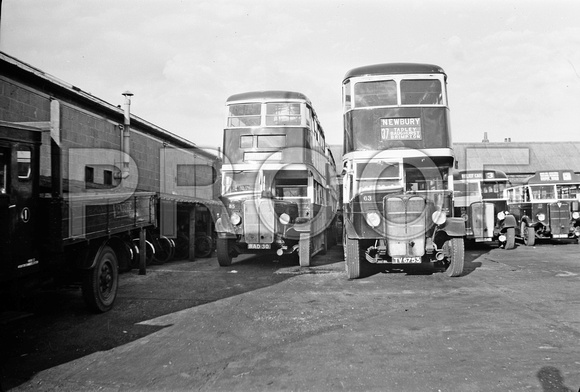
(511, 324)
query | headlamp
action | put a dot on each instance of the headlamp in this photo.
(439, 217)
(235, 219)
(373, 218)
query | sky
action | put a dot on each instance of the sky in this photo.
(513, 67)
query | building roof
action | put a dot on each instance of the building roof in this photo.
(518, 158)
(34, 77)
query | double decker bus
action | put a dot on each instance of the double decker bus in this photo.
(479, 200)
(397, 167)
(546, 206)
(279, 184)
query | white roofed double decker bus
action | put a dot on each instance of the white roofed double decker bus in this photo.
(279, 185)
(397, 164)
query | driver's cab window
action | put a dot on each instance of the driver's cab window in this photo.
(4, 170)
(24, 160)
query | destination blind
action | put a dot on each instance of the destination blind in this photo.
(401, 129)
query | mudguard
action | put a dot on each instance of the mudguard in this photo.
(224, 228)
(88, 256)
(454, 227)
(509, 221)
(349, 229)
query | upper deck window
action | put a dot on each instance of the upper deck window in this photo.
(492, 190)
(379, 93)
(346, 96)
(283, 113)
(421, 92)
(244, 115)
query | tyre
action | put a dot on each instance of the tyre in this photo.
(224, 252)
(149, 251)
(352, 258)
(510, 242)
(164, 250)
(100, 283)
(455, 257)
(181, 246)
(529, 235)
(203, 246)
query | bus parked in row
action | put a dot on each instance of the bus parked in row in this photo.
(546, 206)
(279, 185)
(479, 200)
(397, 166)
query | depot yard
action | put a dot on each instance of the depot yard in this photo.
(511, 323)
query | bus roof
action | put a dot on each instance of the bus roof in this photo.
(268, 96)
(553, 177)
(394, 68)
(464, 175)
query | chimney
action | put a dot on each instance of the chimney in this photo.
(485, 139)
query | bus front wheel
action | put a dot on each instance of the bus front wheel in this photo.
(528, 234)
(510, 241)
(224, 252)
(455, 257)
(352, 258)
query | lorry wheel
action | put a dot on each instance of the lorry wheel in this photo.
(510, 241)
(164, 250)
(100, 282)
(352, 259)
(224, 252)
(455, 257)
(203, 246)
(529, 235)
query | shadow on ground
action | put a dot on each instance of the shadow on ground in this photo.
(54, 326)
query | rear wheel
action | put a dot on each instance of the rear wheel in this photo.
(164, 250)
(203, 246)
(455, 257)
(101, 282)
(510, 241)
(224, 252)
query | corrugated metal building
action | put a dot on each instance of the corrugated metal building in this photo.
(518, 160)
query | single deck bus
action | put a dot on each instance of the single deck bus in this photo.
(397, 167)
(546, 206)
(278, 178)
(479, 200)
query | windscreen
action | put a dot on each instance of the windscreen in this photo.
(464, 189)
(543, 191)
(242, 181)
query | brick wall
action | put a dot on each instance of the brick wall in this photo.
(82, 128)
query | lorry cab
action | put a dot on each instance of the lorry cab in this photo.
(19, 188)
